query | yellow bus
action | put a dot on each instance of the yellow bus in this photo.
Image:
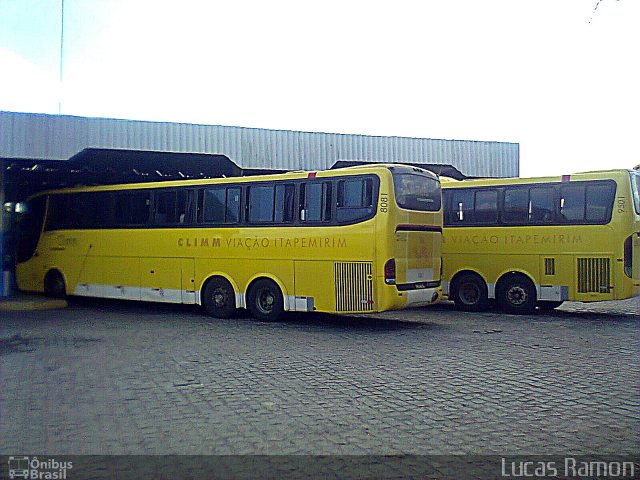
(530, 242)
(359, 239)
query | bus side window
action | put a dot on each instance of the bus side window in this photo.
(315, 202)
(261, 198)
(572, 203)
(516, 205)
(57, 212)
(599, 202)
(232, 205)
(284, 203)
(29, 226)
(183, 206)
(172, 207)
(486, 206)
(132, 208)
(355, 199)
(459, 207)
(165, 207)
(219, 205)
(541, 201)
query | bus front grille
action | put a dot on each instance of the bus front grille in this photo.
(354, 287)
(594, 275)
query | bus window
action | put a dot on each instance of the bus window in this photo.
(417, 192)
(516, 205)
(599, 203)
(284, 203)
(541, 204)
(572, 203)
(459, 206)
(486, 206)
(635, 188)
(132, 208)
(219, 205)
(261, 203)
(172, 207)
(184, 207)
(165, 211)
(271, 203)
(315, 199)
(232, 208)
(29, 226)
(355, 199)
(214, 205)
(58, 212)
(97, 209)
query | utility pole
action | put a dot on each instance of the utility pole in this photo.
(61, 56)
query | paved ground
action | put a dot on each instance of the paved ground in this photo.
(129, 378)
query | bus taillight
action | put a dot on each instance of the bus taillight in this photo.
(628, 256)
(390, 272)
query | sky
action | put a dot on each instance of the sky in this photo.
(559, 77)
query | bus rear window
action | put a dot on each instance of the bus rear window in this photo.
(416, 192)
(635, 188)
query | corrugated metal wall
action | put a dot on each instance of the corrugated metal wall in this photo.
(58, 137)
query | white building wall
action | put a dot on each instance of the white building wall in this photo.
(59, 137)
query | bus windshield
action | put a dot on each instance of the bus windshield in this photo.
(416, 191)
(29, 227)
(635, 188)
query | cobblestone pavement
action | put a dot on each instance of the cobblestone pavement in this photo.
(129, 378)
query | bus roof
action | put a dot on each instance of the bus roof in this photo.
(293, 175)
(480, 182)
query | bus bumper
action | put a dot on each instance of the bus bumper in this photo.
(421, 297)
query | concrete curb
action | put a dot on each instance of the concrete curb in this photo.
(29, 304)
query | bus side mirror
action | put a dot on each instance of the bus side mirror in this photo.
(302, 214)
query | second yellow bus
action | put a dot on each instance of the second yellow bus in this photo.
(528, 242)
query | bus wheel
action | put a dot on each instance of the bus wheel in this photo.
(470, 293)
(548, 305)
(219, 298)
(265, 300)
(54, 285)
(517, 295)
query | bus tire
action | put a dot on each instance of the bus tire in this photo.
(265, 300)
(219, 299)
(470, 293)
(54, 285)
(548, 305)
(517, 295)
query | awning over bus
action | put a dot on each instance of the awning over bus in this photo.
(24, 177)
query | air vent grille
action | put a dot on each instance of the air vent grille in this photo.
(594, 275)
(549, 266)
(354, 287)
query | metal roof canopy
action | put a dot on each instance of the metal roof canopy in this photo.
(59, 137)
(94, 166)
